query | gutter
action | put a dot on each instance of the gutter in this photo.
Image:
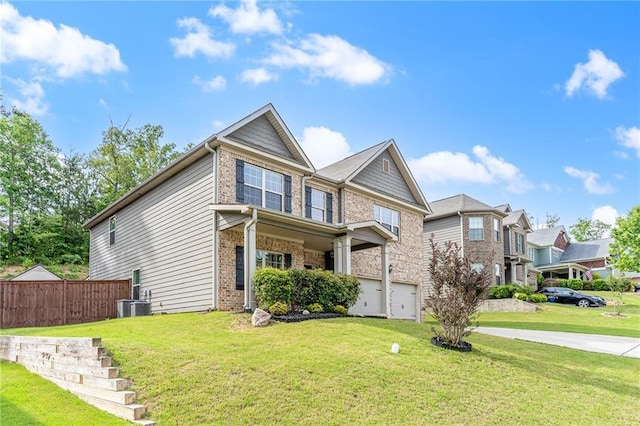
(215, 243)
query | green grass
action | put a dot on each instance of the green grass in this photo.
(216, 369)
(28, 399)
(557, 317)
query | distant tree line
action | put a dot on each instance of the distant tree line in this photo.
(47, 195)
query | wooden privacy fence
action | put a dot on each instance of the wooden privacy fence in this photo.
(46, 303)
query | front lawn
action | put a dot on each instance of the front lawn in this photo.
(557, 317)
(216, 369)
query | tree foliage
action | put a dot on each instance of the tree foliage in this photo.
(588, 230)
(551, 220)
(457, 290)
(625, 249)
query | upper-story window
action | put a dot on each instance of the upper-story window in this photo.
(476, 228)
(496, 230)
(498, 273)
(519, 243)
(262, 187)
(388, 218)
(532, 254)
(112, 230)
(318, 205)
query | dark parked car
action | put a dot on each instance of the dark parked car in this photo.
(636, 288)
(572, 297)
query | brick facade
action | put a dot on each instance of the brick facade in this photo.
(405, 255)
(481, 249)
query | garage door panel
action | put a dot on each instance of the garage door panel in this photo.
(403, 301)
(370, 299)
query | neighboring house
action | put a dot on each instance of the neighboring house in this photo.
(192, 236)
(548, 247)
(36, 273)
(516, 228)
(474, 226)
(590, 254)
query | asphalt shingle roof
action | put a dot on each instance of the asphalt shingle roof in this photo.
(459, 203)
(596, 249)
(546, 236)
(343, 169)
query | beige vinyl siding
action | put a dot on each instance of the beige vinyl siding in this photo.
(443, 229)
(168, 235)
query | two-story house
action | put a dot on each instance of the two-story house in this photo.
(474, 226)
(547, 248)
(192, 236)
(516, 228)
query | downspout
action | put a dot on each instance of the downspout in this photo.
(247, 268)
(214, 263)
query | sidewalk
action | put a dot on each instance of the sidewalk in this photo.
(614, 345)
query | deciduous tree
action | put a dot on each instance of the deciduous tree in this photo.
(587, 230)
(625, 249)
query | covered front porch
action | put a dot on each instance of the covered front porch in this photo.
(563, 270)
(247, 237)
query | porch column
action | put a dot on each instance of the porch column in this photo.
(346, 252)
(570, 272)
(249, 264)
(337, 255)
(386, 281)
(513, 274)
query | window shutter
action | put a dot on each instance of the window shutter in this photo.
(307, 201)
(239, 268)
(287, 194)
(287, 260)
(329, 201)
(239, 180)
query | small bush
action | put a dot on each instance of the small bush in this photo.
(537, 298)
(279, 308)
(575, 284)
(521, 296)
(339, 309)
(272, 285)
(72, 259)
(28, 263)
(587, 285)
(600, 285)
(596, 276)
(508, 290)
(315, 308)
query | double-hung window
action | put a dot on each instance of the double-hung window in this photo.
(476, 228)
(135, 284)
(263, 187)
(498, 270)
(267, 259)
(519, 243)
(112, 230)
(388, 218)
(496, 230)
(318, 205)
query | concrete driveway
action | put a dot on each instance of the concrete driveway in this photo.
(614, 345)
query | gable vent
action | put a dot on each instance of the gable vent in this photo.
(385, 165)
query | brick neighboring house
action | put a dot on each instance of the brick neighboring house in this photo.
(193, 234)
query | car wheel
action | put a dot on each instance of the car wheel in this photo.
(583, 303)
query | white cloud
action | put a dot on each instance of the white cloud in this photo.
(446, 166)
(594, 76)
(103, 104)
(33, 94)
(198, 39)
(215, 84)
(257, 76)
(324, 146)
(606, 214)
(217, 124)
(64, 49)
(248, 18)
(629, 137)
(329, 57)
(590, 181)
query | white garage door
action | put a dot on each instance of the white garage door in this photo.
(370, 299)
(403, 301)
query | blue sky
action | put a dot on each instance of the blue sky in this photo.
(533, 104)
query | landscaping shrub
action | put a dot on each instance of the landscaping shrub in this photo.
(600, 285)
(596, 276)
(537, 298)
(315, 308)
(323, 287)
(279, 308)
(272, 285)
(575, 284)
(521, 296)
(587, 285)
(508, 290)
(339, 309)
(72, 259)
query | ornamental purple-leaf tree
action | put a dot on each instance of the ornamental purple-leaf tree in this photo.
(458, 285)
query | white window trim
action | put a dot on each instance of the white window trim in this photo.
(481, 228)
(386, 166)
(112, 219)
(496, 230)
(134, 283)
(395, 218)
(263, 260)
(263, 189)
(316, 208)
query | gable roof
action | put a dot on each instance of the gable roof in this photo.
(36, 273)
(545, 236)
(460, 203)
(268, 126)
(514, 218)
(587, 250)
(347, 171)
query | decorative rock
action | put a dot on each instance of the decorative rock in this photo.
(305, 312)
(260, 318)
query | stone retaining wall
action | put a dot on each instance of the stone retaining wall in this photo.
(79, 365)
(507, 305)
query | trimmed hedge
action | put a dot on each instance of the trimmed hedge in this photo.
(573, 283)
(301, 288)
(508, 290)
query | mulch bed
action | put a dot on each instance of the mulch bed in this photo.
(299, 316)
